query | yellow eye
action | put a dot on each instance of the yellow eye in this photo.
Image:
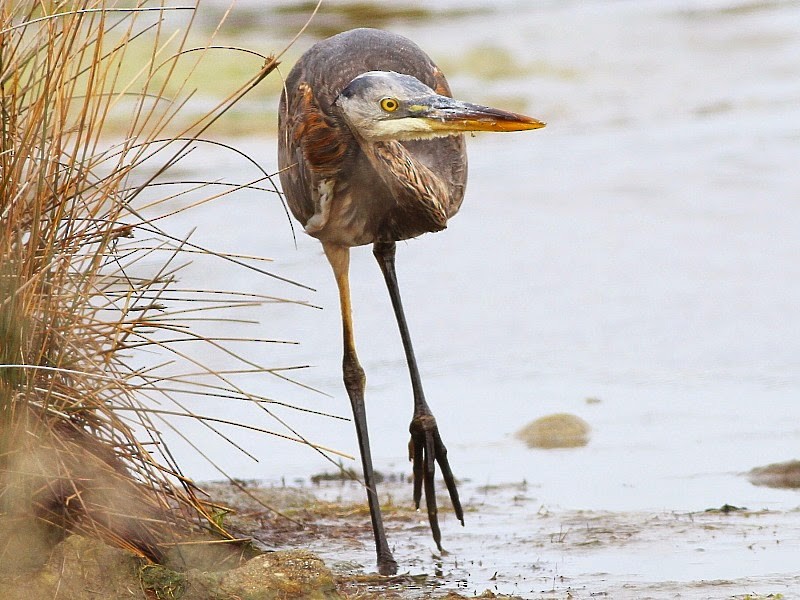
(390, 104)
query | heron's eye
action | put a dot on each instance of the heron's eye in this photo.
(390, 104)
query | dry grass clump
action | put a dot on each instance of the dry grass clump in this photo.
(83, 133)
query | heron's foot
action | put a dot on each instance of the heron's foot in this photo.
(387, 565)
(426, 449)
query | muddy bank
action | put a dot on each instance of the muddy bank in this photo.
(80, 568)
(514, 545)
(315, 543)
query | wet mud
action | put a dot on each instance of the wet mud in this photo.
(513, 545)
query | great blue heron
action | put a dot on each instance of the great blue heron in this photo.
(371, 151)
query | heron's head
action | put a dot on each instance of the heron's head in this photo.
(384, 105)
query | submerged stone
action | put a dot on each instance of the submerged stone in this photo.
(559, 430)
(777, 475)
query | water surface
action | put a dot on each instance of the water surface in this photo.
(642, 250)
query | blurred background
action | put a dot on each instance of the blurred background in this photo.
(636, 263)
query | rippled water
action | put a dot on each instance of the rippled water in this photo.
(643, 250)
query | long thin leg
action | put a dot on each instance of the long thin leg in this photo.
(426, 447)
(354, 383)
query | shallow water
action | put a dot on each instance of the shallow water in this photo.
(512, 544)
(642, 250)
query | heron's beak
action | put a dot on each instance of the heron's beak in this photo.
(443, 114)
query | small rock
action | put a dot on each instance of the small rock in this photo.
(777, 475)
(560, 430)
(276, 575)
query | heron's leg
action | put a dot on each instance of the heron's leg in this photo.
(354, 383)
(426, 447)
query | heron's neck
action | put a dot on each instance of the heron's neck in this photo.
(420, 194)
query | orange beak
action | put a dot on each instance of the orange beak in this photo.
(443, 114)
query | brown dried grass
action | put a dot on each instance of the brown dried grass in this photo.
(80, 445)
